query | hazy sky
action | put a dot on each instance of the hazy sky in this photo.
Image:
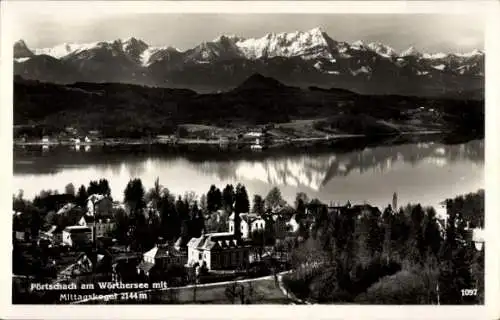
(427, 32)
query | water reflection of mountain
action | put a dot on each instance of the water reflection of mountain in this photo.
(310, 167)
(315, 171)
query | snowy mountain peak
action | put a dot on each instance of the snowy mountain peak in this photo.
(228, 38)
(358, 45)
(133, 46)
(316, 30)
(305, 44)
(434, 56)
(382, 49)
(475, 52)
(410, 52)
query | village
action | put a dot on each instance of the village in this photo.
(76, 243)
(255, 138)
(219, 240)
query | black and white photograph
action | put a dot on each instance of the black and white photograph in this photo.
(223, 158)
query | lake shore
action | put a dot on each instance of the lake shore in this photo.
(188, 141)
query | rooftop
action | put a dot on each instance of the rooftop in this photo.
(77, 228)
(221, 240)
(66, 208)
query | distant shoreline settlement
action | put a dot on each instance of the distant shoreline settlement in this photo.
(256, 138)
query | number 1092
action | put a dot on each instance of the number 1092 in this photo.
(469, 292)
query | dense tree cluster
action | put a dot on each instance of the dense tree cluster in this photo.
(397, 256)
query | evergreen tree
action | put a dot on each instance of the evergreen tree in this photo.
(103, 187)
(214, 199)
(274, 198)
(121, 226)
(154, 194)
(182, 209)
(82, 196)
(170, 222)
(432, 234)
(242, 204)
(416, 244)
(454, 270)
(387, 219)
(93, 188)
(197, 223)
(228, 197)
(301, 201)
(134, 196)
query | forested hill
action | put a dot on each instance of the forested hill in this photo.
(117, 109)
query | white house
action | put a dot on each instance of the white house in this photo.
(76, 236)
(293, 225)
(478, 238)
(250, 222)
(222, 250)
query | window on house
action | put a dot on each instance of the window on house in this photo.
(200, 256)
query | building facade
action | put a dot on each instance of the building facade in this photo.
(219, 251)
(159, 258)
(99, 205)
(102, 227)
(249, 223)
(75, 236)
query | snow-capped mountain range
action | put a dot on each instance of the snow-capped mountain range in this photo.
(302, 57)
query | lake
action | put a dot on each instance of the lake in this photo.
(421, 171)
